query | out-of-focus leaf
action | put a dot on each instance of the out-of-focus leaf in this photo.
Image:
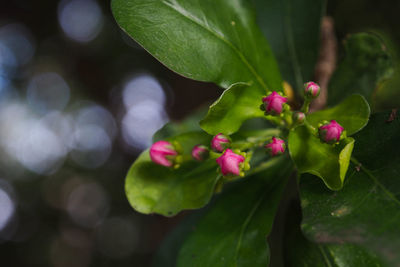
(365, 65)
(209, 40)
(167, 254)
(292, 28)
(152, 188)
(387, 94)
(238, 103)
(300, 252)
(233, 232)
(328, 162)
(366, 211)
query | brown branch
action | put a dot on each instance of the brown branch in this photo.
(326, 63)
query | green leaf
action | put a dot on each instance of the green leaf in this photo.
(237, 104)
(167, 253)
(152, 188)
(156, 189)
(365, 65)
(366, 211)
(292, 28)
(233, 232)
(188, 124)
(302, 253)
(387, 94)
(285, 26)
(328, 162)
(352, 114)
(209, 40)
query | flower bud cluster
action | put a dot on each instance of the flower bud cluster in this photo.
(230, 162)
(275, 104)
(233, 162)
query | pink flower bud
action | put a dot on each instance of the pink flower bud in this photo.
(276, 146)
(200, 152)
(331, 132)
(220, 142)
(298, 117)
(230, 162)
(163, 153)
(311, 90)
(273, 103)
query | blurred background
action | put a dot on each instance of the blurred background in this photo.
(79, 100)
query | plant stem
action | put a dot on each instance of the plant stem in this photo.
(306, 106)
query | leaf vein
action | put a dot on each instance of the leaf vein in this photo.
(218, 35)
(376, 181)
(245, 224)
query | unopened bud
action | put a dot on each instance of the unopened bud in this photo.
(330, 132)
(273, 103)
(163, 153)
(231, 163)
(298, 117)
(276, 146)
(311, 90)
(200, 152)
(220, 142)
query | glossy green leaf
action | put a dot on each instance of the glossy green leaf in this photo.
(285, 28)
(366, 211)
(209, 40)
(238, 103)
(292, 28)
(152, 188)
(352, 114)
(303, 253)
(233, 232)
(365, 65)
(328, 162)
(156, 189)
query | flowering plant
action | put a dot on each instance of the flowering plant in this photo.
(329, 156)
